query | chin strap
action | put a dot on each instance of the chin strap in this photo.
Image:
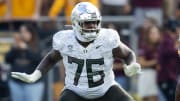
(81, 38)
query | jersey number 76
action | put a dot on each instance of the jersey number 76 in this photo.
(90, 73)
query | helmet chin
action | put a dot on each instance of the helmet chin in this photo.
(90, 35)
(86, 36)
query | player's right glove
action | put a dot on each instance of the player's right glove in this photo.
(132, 69)
(29, 78)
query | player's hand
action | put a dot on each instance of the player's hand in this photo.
(132, 69)
(29, 78)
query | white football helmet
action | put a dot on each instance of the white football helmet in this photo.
(85, 12)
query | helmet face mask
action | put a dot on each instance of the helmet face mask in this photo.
(89, 26)
(86, 21)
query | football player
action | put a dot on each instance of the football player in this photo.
(87, 52)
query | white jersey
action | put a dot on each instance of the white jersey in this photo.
(88, 70)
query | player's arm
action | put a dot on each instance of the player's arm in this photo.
(131, 67)
(48, 61)
(44, 66)
(125, 53)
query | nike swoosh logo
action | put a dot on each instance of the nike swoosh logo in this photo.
(98, 46)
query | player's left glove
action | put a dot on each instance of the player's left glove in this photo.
(132, 69)
(29, 78)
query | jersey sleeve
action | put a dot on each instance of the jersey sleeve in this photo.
(115, 38)
(116, 42)
(56, 42)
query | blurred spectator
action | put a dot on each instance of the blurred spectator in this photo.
(23, 57)
(45, 7)
(169, 8)
(177, 97)
(177, 11)
(64, 7)
(142, 31)
(115, 7)
(19, 11)
(168, 61)
(3, 15)
(3, 8)
(178, 40)
(148, 58)
(47, 26)
(147, 8)
(178, 91)
(4, 88)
